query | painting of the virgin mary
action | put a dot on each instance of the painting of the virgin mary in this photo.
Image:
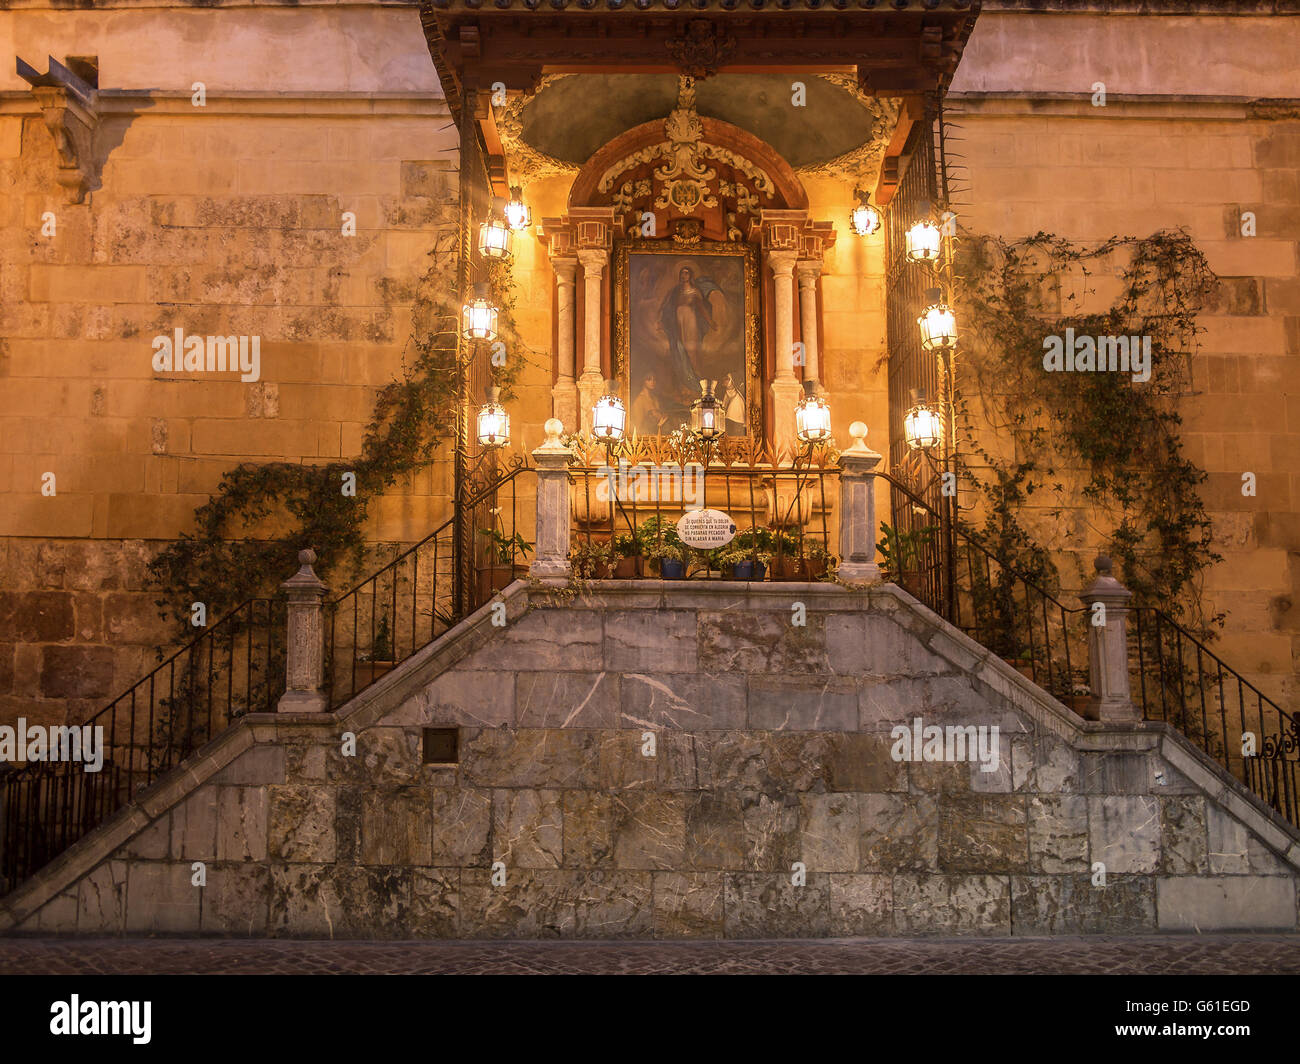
(686, 325)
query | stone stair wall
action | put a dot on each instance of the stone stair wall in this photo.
(772, 752)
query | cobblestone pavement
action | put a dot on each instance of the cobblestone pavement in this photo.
(1189, 955)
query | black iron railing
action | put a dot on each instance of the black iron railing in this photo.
(234, 667)
(1176, 678)
(626, 514)
(412, 600)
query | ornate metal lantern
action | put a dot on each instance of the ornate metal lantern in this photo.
(609, 416)
(922, 425)
(478, 317)
(494, 237)
(864, 219)
(923, 239)
(812, 417)
(938, 323)
(493, 421)
(706, 413)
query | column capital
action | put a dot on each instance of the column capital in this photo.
(781, 263)
(565, 267)
(594, 260)
(809, 271)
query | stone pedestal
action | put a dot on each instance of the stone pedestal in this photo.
(1108, 648)
(551, 560)
(858, 510)
(305, 649)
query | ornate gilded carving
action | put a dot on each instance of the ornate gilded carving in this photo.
(702, 48)
(863, 162)
(526, 161)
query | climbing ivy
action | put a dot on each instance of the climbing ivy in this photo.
(1036, 444)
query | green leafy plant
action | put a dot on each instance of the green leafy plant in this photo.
(381, 645)
(505, 549)
(901, 551)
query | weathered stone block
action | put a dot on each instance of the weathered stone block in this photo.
(462, 823)
(884, 703)
(648, 830)
(259, 766)
(241, 823)
(1124, 833)
(786, 703)
(613, 905)
(36, 616)
(952, 905)
(622, 764)
(861, 905)
(339, 901)
(553, 757)
(873, 645)
(567, 700)
(1115, 773)
(1183, 836)
(682, 700)
(653, 641)
(160, 897)
(1071, 905)
(544, 641)
(861, 762)
(760, 905)
(1044, 764)
(898, 833)
(715, 831)
(396, 827)
(153, 843)
(771, 826)
(830, 832)
(534, 903)
(983, 833)
(688, 904)
(527, 828)
(477, 698)
(237, 899)
(101, 899)
(435, 903)
(300, 824)
(194, 827)
(1058, 833)
(1229, 903)
(761, 642)
(76, 672)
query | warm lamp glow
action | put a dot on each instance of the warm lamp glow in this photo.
(518, 214)
(706, 413)
(494, 238)
(478, 317)
(923, 241)
(493, 421)
(938, 323)
(922, 425)
(864, 219)
(609, 416)
(812, 417)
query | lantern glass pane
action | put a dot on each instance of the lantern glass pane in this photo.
(518, 214)
(608, 418)
(938, 327)
(478, 320)
(864, 220)
(494, 239)
(493, 425)
(812, 418)
(923, 428)
(923, 242)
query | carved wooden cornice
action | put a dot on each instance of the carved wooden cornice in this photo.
(69, 106)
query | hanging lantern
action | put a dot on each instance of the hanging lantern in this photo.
(922, 425)
(864, 219)
(493, 421)
(923, 238)
(494, 235)
(938, 323)
(812, 417)
(609, 416)
(478, 317)
(518, 214)
(706, 413)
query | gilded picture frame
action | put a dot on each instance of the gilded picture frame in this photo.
(686, 312)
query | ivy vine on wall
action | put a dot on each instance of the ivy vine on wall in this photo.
(1104, 449)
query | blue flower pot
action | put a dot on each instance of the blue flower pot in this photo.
(671, 570)
(748, 571)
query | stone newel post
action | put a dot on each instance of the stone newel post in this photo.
(858, 510)
(1108, 647)
(305, 652)
(551, 561)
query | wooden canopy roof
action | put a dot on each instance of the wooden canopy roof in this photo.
(895, 47)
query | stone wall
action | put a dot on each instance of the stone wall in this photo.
(772, 746)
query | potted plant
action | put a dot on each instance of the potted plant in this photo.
(748, 555)
(661, 544)
(628, 561)
(901, 554)
(502, 568)
(799, 560)
(591, 560)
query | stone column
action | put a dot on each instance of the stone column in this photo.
(785, 388)
(1108, 647)
(591, 385)
(551, 560)
(305, 650)
(564, 394)
(858, 510)
(809, 271)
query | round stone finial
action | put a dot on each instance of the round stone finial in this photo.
(858, 430)
(1103, 565)
(307, 556)
(554, 428)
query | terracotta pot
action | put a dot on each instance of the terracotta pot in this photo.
(910, 581)
(1078, 703)
(803, 569)
(497, 578)
(629, 568)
